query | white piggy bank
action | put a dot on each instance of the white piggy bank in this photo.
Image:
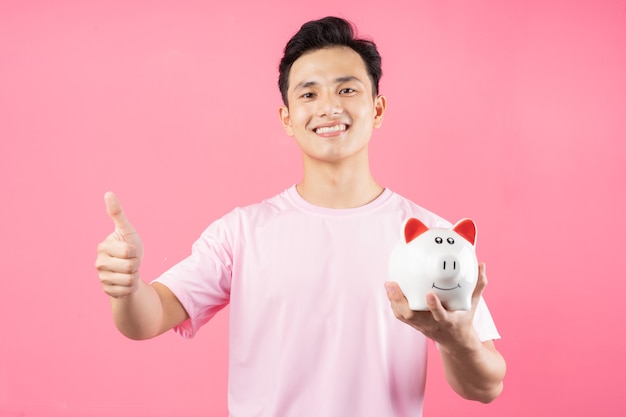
(442, 261)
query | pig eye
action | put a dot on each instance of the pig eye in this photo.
(451, 241)
(438, 240)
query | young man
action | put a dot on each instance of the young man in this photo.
(314, 328)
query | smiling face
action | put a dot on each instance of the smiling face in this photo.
(332, 111)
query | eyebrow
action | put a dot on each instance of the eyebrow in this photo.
(339, 80)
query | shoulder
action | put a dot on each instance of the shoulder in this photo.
(250, 215)
(408, 208)
(266, 208)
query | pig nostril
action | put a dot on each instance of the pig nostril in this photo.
(445, 265)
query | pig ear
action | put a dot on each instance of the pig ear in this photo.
(413, 228)
(467, 229)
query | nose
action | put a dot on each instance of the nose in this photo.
(448, 266)
(329, 104)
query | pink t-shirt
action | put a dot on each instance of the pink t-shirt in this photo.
(311, 329)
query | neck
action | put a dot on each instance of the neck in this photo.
(338, 185)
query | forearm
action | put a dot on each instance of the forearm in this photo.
(139, 315)
(474, 371)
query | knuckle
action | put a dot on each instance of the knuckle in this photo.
(99, 263)
(104, 277)
(124, 250)
(129, 251)
(128, 280)
(131, 266)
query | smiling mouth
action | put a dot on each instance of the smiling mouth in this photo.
(325, 130)
(447, 289)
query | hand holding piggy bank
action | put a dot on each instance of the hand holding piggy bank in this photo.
(442, 261)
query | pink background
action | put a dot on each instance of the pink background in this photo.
(513, 113)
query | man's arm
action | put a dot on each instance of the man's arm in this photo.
(473, 369)
(140, 310)
(474, 373)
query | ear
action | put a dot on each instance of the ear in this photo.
(413, 228)
(285, 120)
(467, 229)
(380, 104)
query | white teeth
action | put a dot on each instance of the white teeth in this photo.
(330, 129)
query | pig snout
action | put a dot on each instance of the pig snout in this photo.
(449, 265)
(448, 268)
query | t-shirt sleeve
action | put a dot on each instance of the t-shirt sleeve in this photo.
(201, 282)
(484, 324)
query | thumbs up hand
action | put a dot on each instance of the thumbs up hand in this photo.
(120, 254)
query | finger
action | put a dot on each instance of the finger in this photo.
(116, 279)
(394, 293)
(399, 303)
(105, 262)
(117, 291)
(117, 248)
(436, 308)
(115, 212)
(481, 284)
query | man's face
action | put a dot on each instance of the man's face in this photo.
(331, 110)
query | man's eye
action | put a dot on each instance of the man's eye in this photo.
(307, 95)
(347, 91)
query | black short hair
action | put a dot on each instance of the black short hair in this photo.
(323, 33)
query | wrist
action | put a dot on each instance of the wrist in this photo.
(463, 347)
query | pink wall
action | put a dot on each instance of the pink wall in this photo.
(512, 113)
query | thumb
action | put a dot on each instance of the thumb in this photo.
(481, 283)
(115, 212)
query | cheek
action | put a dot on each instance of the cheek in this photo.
(365, 109)
(365, 116)
(298, 118)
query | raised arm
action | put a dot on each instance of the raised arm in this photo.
(140, 310)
